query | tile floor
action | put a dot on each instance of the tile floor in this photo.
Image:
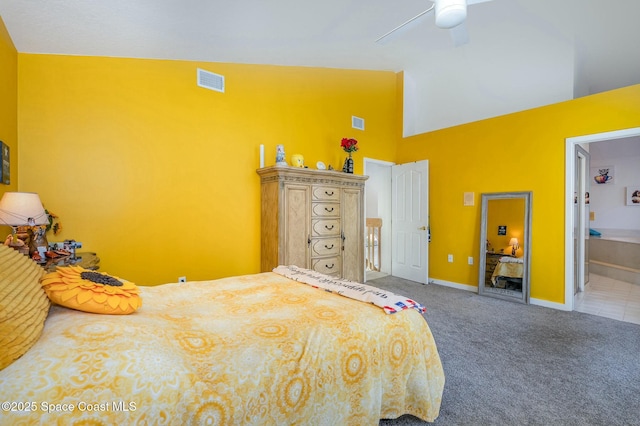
(610, 298)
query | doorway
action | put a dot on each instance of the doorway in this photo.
(377, 202)
(398, 192)
(573, 278)
(581, 215)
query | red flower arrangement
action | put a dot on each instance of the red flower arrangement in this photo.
(349, 145)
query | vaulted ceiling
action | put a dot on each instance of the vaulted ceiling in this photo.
(594, 42)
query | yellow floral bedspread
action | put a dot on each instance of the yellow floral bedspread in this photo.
(507, 269)
(250, 350)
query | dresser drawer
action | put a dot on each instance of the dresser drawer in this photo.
(327, 265)
(325, 227)
(325, 247)
(325, 209)
(326, 193)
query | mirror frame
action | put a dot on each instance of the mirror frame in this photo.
(526, 246)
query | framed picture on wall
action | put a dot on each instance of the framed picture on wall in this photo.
(5, 175)
(603, 175)
(633, 195)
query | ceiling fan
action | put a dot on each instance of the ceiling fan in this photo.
(449, 14)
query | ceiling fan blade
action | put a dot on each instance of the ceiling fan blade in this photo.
(404, 27)
(470, 2)
(459, 35)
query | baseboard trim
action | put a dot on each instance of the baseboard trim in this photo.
(444, 283)
(474, 289)
(547, 304)
(611, 265)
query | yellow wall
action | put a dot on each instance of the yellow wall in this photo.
(507, 212)
(8, 109)
(159, 175)
(524, 151)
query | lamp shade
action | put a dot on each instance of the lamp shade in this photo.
(513, 242)
(22, 208)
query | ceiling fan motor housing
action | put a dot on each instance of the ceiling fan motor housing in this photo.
(450, 13)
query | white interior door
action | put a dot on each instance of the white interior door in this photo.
(410, 221)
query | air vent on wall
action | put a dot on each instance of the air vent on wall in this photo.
(210, 80)
(357, 122)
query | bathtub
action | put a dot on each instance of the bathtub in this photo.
(616, 254)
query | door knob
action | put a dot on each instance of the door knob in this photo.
(422, 228)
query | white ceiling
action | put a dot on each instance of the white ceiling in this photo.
(600, 38)
(602, 152)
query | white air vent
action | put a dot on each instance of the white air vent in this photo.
(357, 122)
(210, 80)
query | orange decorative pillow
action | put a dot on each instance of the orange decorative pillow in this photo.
(91, 291)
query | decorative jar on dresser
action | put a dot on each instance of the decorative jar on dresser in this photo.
(312, 219)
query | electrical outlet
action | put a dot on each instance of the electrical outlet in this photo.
(182, 279)
(450, 258)
(470, 260)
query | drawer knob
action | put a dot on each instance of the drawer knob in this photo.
(329, 227)
(330, 267)
(328, 193)
(328, 209)
(327, 247)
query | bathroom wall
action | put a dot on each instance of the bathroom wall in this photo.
(607, 201)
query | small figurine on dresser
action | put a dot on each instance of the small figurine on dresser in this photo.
(280, 159)
(38, 243)
(17, 244)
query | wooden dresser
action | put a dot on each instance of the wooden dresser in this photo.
(492, 261)
(313, 219)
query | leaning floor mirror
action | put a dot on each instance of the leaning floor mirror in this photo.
(505, 246)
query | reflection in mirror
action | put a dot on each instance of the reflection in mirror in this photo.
(505, 245)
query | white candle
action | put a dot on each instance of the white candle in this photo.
(261, 156)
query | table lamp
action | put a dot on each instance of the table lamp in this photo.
(21, 209)
(514, 243)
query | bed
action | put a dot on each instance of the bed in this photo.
(508, 273)
(259, 349)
